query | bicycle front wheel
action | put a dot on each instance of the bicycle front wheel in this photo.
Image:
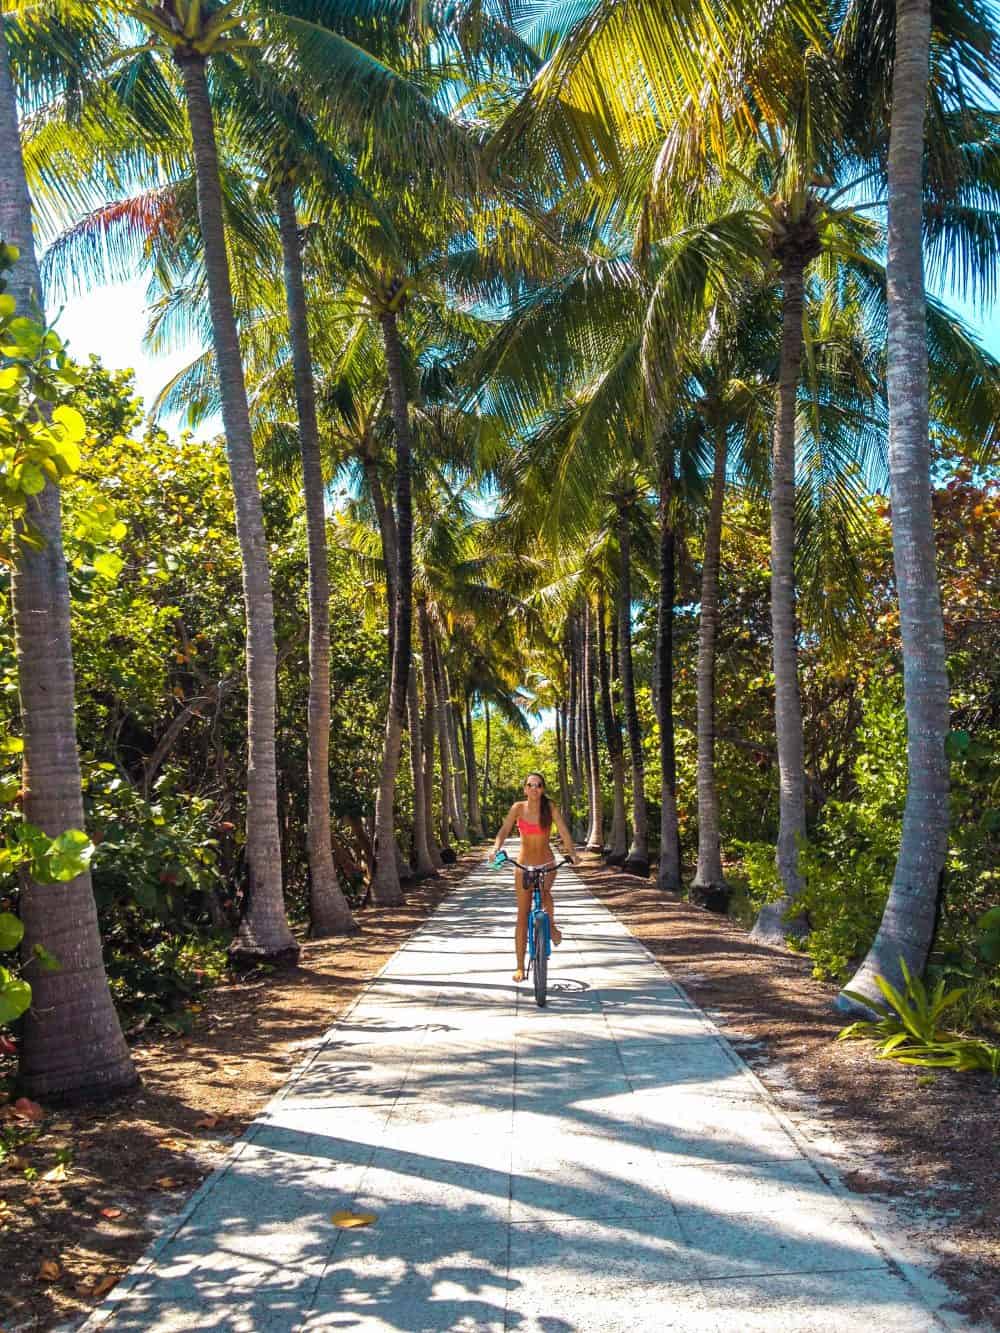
(540, 963)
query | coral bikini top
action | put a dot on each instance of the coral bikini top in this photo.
(524, 827)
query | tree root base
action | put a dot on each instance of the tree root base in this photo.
(243, 958)
(712, 897)
(772, 929)
(85, 1095)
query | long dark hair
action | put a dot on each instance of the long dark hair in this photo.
(546, 815)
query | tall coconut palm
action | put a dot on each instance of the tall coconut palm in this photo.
(595, 831)
(668, 870)
(618, 837)
(637, 860)
(328, 909)
(708, 876)
(907, 928)
(191, 38)
(72, 1046)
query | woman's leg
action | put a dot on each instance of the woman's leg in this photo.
(521, 930)
(550, 907)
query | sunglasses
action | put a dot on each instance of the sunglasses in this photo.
(534, 784)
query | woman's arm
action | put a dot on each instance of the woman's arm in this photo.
(506, 826)
(565, 837)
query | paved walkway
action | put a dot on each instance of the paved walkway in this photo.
(604, 1164)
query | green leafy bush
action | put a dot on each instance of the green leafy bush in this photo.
(909, 1028)
(159, 891)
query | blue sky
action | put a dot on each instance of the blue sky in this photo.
(110, 321)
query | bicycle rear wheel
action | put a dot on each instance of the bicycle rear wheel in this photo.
(540, 960)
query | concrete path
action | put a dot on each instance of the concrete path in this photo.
(604, 1164)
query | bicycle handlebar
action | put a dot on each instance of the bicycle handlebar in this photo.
(509, 860)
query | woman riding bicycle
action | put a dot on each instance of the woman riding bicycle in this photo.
(534, 817)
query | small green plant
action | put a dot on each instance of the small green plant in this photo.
(908, 1027)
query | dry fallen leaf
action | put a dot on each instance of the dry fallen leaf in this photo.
(175, 1145)
(49, 1270)
(346, 1219)
(33, 1200)
(56, 1173)
(28, 1110)
(104, 1286)
(166, 1183)
(111, 1212)
(209, 1122)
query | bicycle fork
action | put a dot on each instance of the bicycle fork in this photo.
(538, 912)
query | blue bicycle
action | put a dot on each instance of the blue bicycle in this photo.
(539, 926)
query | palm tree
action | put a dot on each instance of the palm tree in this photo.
(908, 923)
(328, 909)
(668, 870)
(72, 1046)
(709, 878)
(637, 861)
(618, 837)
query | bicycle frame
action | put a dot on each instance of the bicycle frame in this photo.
(534, 879)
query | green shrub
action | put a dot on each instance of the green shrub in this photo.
(909, 1028)
(159, 892)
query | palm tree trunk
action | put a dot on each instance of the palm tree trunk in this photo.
(390, 546)
(561, 758)
(456, 795)
(618, 841)
(595, 834)
(390, 559)
(906, 931)
(486, 758)
(709, 880)
(772, 926)
(430, 708)
(72, 1046)
(444, 743)
(572, 730)
(472, 777)
(329, 913)
(424, 861)
(637, 861)
(668, 871)
(457, 765)
(264, 928)
(386, 888)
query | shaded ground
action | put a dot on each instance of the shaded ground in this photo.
(128, 1165)
(928, 1142)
